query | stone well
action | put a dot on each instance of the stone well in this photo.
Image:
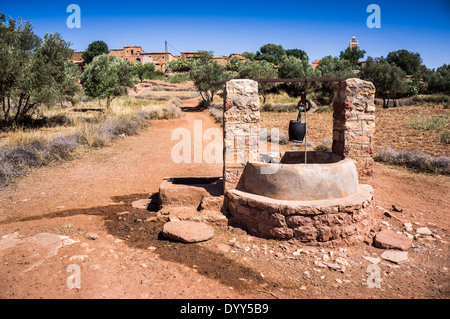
(319, 202)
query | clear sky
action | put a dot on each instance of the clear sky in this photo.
(318, 27)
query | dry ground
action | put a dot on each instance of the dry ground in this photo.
(129, 260)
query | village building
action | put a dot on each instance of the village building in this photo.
(136, 53)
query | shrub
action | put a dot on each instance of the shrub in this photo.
(280, 108)
(325, 146)
(178, 78)
(415, 160)
(216, 113)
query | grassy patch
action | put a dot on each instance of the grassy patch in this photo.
(428, 122)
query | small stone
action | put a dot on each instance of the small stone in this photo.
(223, 247)
(187, 231)
(338, 281)
(408, 227)
(395, 256)
(92, 236)
(373, 260)
(443, 269)
(397, 208)
(334, 266)
(141, 203)
(424, 231)
(342, 261)
(302, 288)
(325, 257)
(387, 239)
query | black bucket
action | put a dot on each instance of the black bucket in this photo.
(297, 131)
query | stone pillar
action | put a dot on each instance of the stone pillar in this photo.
(354, 123)
(240, 129)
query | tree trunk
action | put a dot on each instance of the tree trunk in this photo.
(384, 103)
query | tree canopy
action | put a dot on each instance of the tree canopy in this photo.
(204, 75)
(439, 81)
(291, 68)
(94, 49)
(33, 71)
(389, 79)
(405, 60)
(352, 55)
(108, 77)
(333, 67)
(297, 53)
(259, 70)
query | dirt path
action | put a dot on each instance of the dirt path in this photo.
(91, 194)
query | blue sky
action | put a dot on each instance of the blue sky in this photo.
(319, 27)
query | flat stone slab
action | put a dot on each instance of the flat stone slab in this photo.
(187, 231)
(141, 203)
(387, 239)
(395, 256)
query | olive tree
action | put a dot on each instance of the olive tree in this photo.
(108, 77)
(204, 75)
(292, 68)
(333, 67)
(389, 79)
(34, 71)
(262, 70)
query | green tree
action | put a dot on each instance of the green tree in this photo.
(405, 60)
(204, 75)
(181, 65)
(297, 53)
(234, 64)
(259, 70)
(389, 79)
(143, 71)
(32, 69)
(293, 68)
(203, 56)
(69, 86)
(439, 81)
(333, 67)
(249, 56)
(352, 55)
(108, 77)
(94, 49)
(271, 53)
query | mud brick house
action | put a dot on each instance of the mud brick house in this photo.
(136, 53)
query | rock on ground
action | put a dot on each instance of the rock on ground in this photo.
(387, 239)
(187, 231)
(395, 256)
(424, 231)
